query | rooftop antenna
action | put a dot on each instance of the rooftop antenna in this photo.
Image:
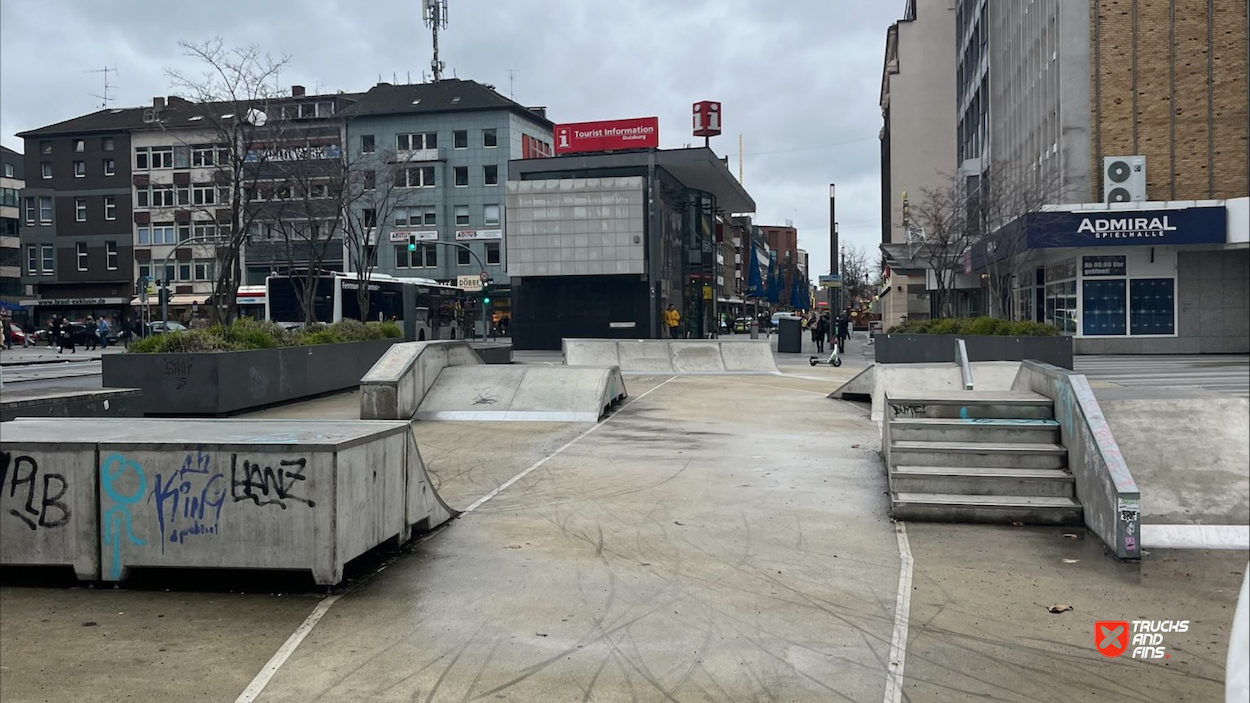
(511, 77)
(435, 16)
(105, 99)
(739, 158)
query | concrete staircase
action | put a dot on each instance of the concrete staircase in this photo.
(978, 456)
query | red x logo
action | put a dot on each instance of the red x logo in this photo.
(1111, 637)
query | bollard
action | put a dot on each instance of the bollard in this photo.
(755, 329)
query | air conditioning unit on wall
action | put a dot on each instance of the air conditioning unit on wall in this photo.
(1123, 179)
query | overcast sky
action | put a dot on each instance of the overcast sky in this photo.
(798, 79)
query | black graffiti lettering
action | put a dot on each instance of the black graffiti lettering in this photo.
(50, 504)
(265, 485)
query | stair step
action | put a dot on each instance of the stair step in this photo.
(1015, 455)
(952, 507)
(982, 480)
(972, 404)
(980, 429)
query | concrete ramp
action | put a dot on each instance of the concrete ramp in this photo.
(673, 356)
(523, 393)
(395, 386)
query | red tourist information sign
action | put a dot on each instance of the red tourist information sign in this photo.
(607, 135)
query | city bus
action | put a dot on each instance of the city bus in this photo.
(439, 307)
(251, 302)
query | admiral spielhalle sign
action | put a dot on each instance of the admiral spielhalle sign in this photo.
(1195, 225)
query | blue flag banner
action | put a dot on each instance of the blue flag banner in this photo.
(799, 300)
(773, 292)
(755, 281)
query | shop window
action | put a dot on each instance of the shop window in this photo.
(1152, 306)
(1105, 306)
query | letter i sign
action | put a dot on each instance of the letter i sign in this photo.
(1111, 637)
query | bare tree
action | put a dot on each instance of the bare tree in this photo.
(1005, 195)
(939, 235)
(373, 188)
(856, 275)
(232, 97)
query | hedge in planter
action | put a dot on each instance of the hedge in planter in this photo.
(247, 334)
(989, 326)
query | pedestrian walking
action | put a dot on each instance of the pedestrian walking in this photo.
(67, 336)
(844, 324)
(7, 327)
(672, 322)
(820, 332)
(102, 330)
(29, 328)
(89, 334)
(127, 332)
(54, 333)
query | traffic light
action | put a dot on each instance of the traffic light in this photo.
(485, 293)
(164, 295)
(412, 242)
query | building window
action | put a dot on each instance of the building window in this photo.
(8, 170)
(490, 175)
(182, 157)
(45, 147)
(184, 232)
(8, 197)
(1061, 305)
(367, 145)
(416, 217)
(45, 168)
(419, 177)
(463, 257)
(110, 207)
(110, 255)
(202, 156)
(141, 158)
(490, 215)
(30, 211)
(205, 270)
(371, 180)
(32, 260)
(184, 272)
(80, 209)
(462, 214)
(110, 167)
(460, 139)
(80, 169)
(205, 231)
(145, 271)
(1105, 307)
(107, 143)
(183, 194)
(1152, 306)
(492, 253)
(490, 138)
(204, 195)
(462, 176)
(45, 210)
(369, 217)
(154, 157)
(424, 256)
(416, 142)
(49, 259)
(82, 256)
(80, 145)
(157, 234)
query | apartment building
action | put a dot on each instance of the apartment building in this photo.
(11, 182)
(917, 142)
(449, 144)
(76, 228)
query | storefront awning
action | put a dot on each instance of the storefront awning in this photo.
(732, 301)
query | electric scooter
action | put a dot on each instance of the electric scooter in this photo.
(834, 360)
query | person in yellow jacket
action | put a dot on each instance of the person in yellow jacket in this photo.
(672, 321)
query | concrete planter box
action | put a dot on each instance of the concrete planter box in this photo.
(104, 495)
(220, 383)
(939, 348)
(107, 402)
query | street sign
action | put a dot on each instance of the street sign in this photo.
(828, 281)
(484, 276)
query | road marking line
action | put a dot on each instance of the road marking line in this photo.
(478, 503)
(284, 652)
(902, 608)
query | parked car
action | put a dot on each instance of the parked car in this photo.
(162, 326)
(742, 325)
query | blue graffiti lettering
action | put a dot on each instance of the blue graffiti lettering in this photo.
(117, 518)
(200, 495)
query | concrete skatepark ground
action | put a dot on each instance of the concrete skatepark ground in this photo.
(717, 538)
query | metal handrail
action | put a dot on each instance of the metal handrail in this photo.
(961, 358)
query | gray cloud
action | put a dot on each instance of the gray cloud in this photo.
(798, 79)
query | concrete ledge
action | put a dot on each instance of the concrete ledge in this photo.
(254, 494)
(672, 356)
(493, 352)
(523, 393)
(110, 402)
(1104, 485)
(395, 386)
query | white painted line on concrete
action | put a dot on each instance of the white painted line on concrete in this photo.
(284, 652)
(478, 503)
(1195, 536)
(902, 611)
